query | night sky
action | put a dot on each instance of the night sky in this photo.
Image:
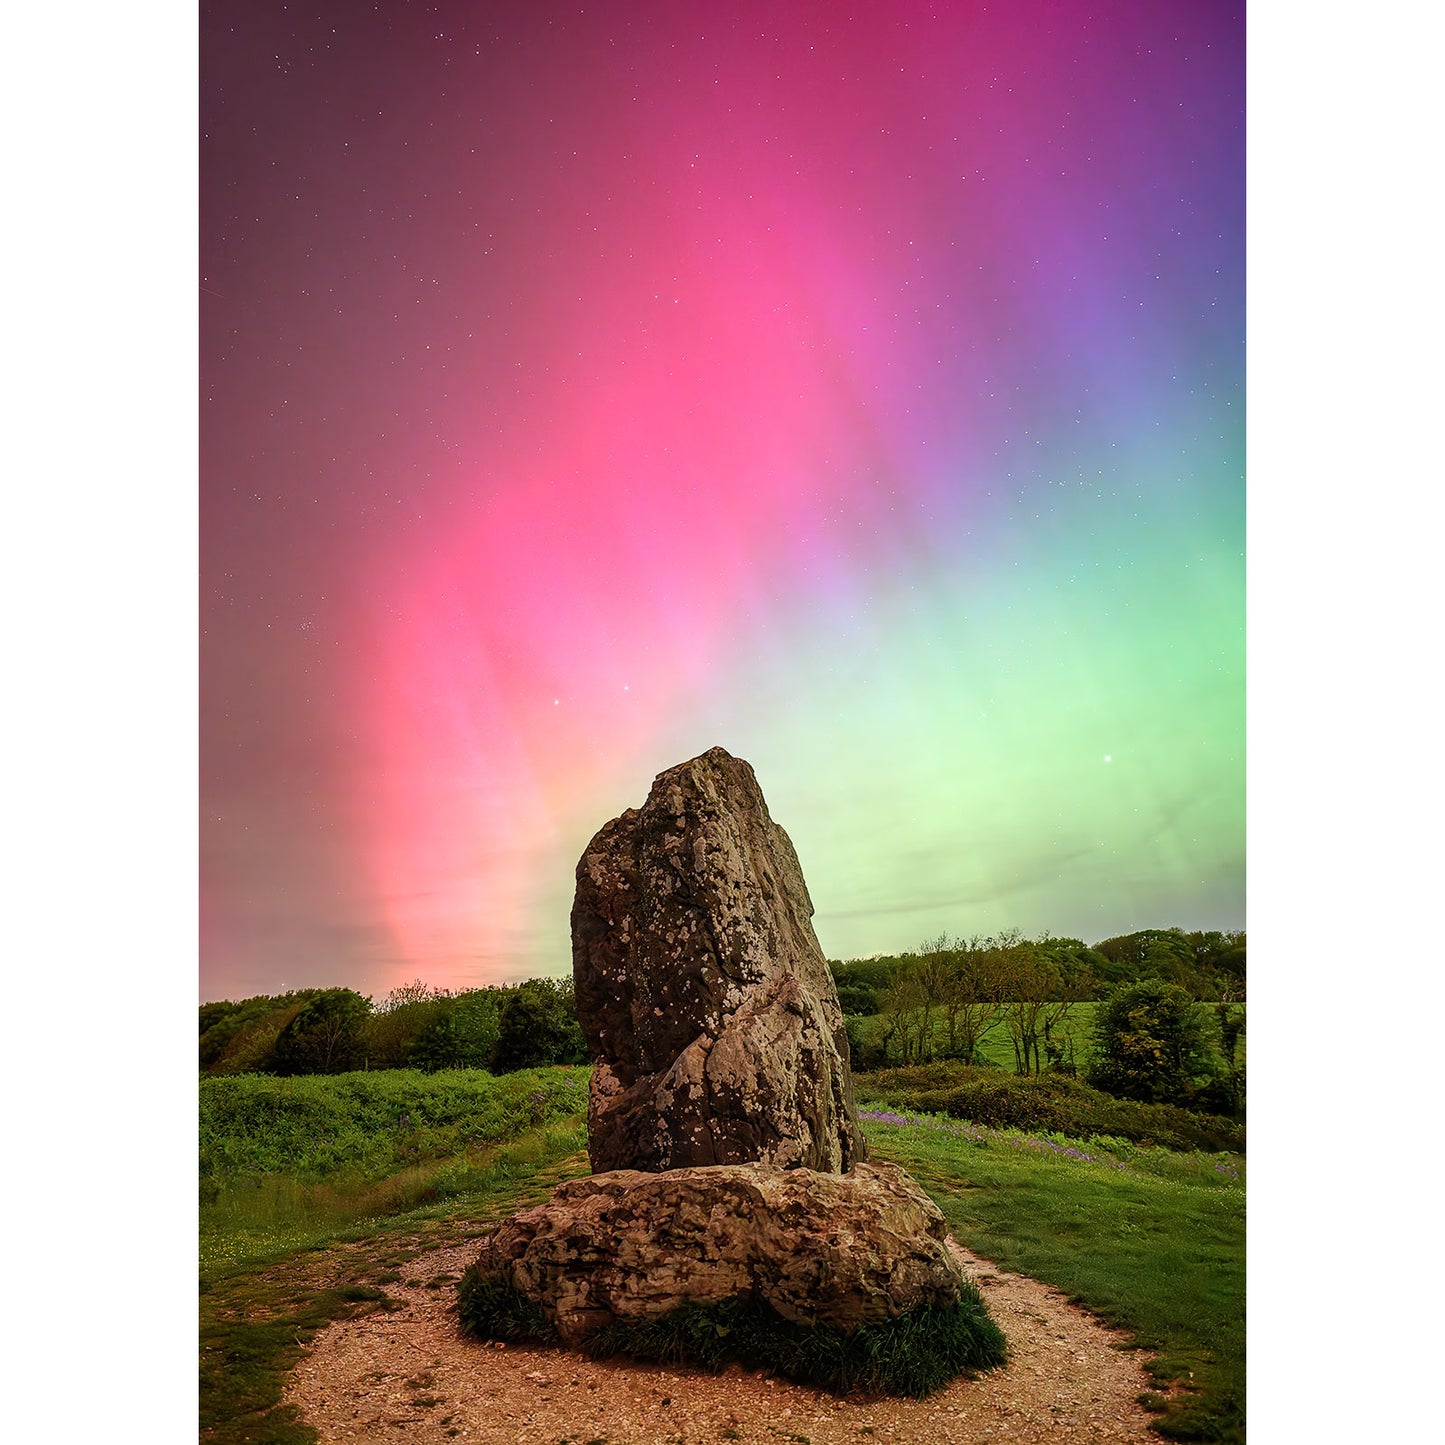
(858, 388)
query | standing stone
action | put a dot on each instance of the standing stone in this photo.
(701, 988)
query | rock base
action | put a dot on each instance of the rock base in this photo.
(841, 1251)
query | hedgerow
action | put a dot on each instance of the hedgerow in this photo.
(1052, 1103)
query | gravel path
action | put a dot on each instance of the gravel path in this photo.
(410, 1375)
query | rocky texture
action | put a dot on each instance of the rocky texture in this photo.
(824, 1249)
(701, 987)
(721, 1121)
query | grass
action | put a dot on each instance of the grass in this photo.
(285, 1163)
(915, 1354)
(244, 1360)
(269, 1283)
(491, 1308)
(370, 1124)
(1149, 1239)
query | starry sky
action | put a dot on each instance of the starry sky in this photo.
(858, 388)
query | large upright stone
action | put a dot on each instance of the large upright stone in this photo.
(701, 987)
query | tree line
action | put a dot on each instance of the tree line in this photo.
(1153, 1038)
(1209, 966)
(335, 1030)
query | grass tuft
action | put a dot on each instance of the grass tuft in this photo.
(492, 1308)
(915, 1354)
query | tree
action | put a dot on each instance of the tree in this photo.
(861, 983)
(459, 1032)
(1219, 961)
(973, 999)
(1151, 1043)
(865, 1049)
(1204, 963)
(908, 1004)
(1035, 1004)
(220, 1023)
(1082, 968)
(538, 1025)
(1230, 1018)
(213, 1013)
(397, 1022)
(241, 1036)
(325, 1035)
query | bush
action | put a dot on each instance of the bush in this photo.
(1052, 1103)
(1152, 1044)
(538, 1025)
(915, 1354)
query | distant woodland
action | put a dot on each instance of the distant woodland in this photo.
(1156, 1015)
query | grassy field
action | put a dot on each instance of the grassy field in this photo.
(318, 1192)
(1150, 1239)
(285, 1162)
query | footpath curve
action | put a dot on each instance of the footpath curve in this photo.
(410, 1375)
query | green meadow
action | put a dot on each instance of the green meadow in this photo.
(285, 1162)
(1150, 1239)
(317, 1192)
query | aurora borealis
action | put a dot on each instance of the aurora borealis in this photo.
(858, 388)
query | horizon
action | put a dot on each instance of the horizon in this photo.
(568, 973)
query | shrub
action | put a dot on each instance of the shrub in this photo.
(1152, 1043)
(1052, 1103)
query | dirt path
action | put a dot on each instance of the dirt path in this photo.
(410, 1375)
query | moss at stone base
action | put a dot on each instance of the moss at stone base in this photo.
(915, 1354)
